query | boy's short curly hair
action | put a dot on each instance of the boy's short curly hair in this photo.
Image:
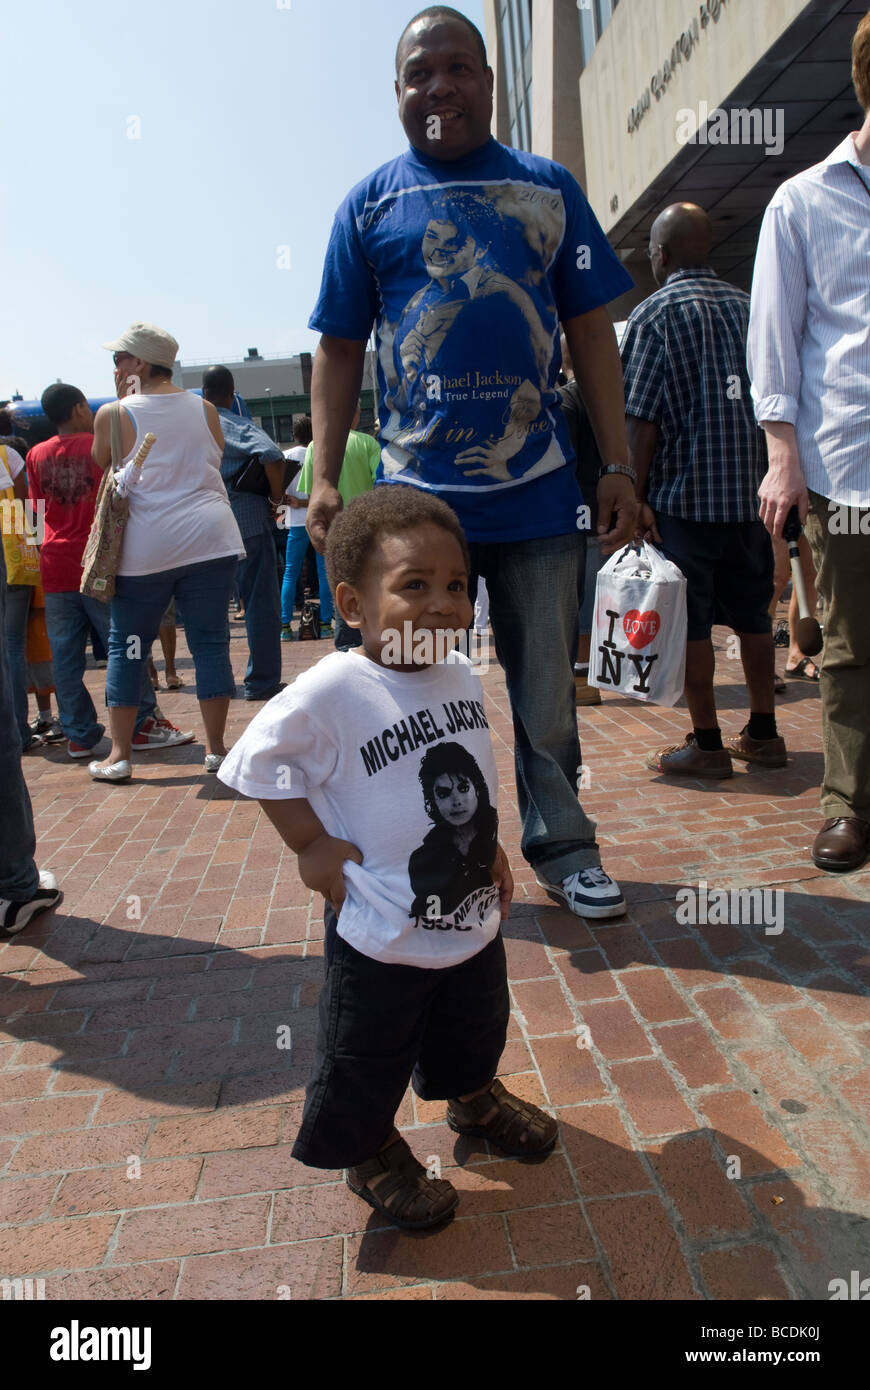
(387, 510)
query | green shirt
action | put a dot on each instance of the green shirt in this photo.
(361, 459)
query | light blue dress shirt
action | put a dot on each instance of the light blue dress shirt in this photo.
(809, 326)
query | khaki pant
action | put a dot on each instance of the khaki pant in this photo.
(843, 579)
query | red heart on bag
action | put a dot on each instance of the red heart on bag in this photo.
(641, 628)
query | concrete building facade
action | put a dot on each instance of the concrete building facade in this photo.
(650, 102)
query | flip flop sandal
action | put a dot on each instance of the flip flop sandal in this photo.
(174, 682)
(517, 1129)
(799, 672)
(406, 1197)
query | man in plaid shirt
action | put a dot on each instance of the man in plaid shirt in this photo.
(700, 457)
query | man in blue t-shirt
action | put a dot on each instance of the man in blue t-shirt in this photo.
(468, 256)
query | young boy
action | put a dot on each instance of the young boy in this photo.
(376, 767)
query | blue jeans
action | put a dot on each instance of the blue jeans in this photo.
(19, 878)
(15, 640)
(533, 587)
(140, 601)
(70, 618)
(297, 544)
(258, 586)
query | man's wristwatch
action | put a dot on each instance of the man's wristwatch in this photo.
(622, 468)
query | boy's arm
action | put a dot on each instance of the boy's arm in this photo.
(321, 856)
(504, 882)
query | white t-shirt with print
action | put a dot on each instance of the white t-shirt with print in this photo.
(296, 516)
(401, 765)
(14, 465)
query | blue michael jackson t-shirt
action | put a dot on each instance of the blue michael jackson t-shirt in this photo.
(468, 266)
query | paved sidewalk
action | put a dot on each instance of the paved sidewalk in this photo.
(714, 1137)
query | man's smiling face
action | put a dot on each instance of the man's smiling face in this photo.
(441, 74)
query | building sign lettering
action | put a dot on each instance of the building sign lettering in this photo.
(681, 51)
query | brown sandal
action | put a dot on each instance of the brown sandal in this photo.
(405, 1196)
(513, 1126)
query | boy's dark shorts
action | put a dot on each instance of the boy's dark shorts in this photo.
(383, 1025)
(729, 572)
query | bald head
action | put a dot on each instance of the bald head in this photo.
(219, 387)
(681, 238)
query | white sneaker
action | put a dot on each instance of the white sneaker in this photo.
(589, 893)
(115, 772)
(213, 761)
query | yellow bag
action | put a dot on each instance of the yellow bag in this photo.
(19, 548)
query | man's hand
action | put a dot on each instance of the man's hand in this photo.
(323, 507)
(321, 867)
(647, 529)
(783, 484)
(504, 882)
(617, 512)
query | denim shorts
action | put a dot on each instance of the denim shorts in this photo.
(381, 1026)
(138, 606)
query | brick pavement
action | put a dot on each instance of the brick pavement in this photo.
(147, 1114)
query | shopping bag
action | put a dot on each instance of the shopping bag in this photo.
(19, 537)
(638, 642)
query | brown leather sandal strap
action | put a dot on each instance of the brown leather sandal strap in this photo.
(409, 1194)
(514, 1119)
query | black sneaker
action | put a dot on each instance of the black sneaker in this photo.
(49, 729)
(14, 917)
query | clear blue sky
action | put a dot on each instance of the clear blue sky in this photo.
(254, 121)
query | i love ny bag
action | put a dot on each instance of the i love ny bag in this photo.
(103, 550)
(19, 537)
(638, 642)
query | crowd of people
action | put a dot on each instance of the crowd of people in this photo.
(722, 413)
(195, 537)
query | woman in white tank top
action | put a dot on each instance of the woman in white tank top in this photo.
(181, 541)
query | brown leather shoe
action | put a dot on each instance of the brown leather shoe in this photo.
(843, 843)
(767, 752)
(688, 760)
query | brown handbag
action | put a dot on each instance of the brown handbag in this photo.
(103, 550)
